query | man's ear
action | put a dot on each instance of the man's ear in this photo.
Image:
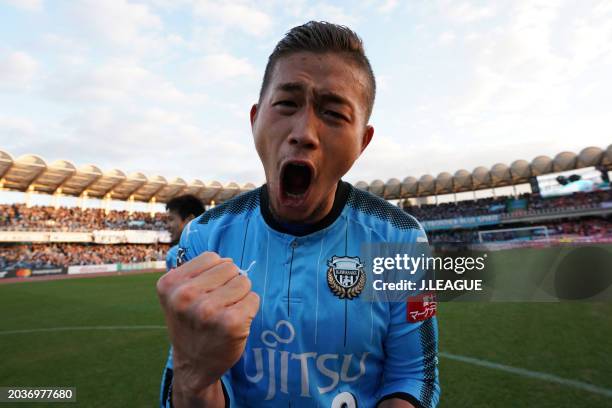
(253, 113)
(367, 137)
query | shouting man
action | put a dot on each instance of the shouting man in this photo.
(265, 307)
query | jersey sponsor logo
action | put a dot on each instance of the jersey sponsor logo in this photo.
(345, 276)
(421, 307)
(302, 363)
(181, 256)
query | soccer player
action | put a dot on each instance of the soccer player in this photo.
(181, 210)
(265, 309)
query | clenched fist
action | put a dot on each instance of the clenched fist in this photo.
(208, 307)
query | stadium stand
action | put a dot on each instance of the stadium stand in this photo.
(19, 217)
(528, 204)
(595, 229)
(64, 254)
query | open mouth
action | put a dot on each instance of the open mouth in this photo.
(296, 179)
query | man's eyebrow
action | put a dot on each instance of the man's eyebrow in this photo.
(335, 98)
(290, 87)
(324, 96)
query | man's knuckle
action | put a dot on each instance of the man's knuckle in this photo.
(183, 298)
(256, 299)
(232, 324)
(163, 285)
(213, 256)
(244, 283)
(231, 268)
(206, 311)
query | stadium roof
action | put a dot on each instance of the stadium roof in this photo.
(32, 173)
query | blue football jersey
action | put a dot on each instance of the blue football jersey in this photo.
(314, 341)
(171, 257)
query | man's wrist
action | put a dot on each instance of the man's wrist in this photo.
(211, 396)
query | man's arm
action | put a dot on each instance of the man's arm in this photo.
(411, 348)
(208, 306)
(210, 397)
(411, 363)
(395, 403)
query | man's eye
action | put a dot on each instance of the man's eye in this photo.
(286, 104)
(334, 114)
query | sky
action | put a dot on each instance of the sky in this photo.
(164, 87)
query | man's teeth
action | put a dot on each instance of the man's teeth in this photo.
(291, 195)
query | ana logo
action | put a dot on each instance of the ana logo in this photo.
(345, 276)
(181, 255)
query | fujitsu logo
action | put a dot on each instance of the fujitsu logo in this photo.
(298, 362)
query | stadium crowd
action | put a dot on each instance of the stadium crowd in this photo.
(45, 218)
(19, 217)
(524, 204)
(58, 255)
(586, 227)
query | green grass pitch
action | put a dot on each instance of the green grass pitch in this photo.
(122, 368)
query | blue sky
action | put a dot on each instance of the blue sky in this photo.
(165, 86)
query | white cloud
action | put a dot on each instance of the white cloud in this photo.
(465, 12)
(388, 6)
(156, 141)
(117, 82)
(125, 26)
(234, 15)
(28, 5)
(221, 67)
(17, 70)
(446, 38)
(63, 43)
(516, 68)
(16, 127)
(329, 12)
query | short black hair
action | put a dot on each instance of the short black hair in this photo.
(322, 37)
(185, 205)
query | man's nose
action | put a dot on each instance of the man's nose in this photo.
(305, 133)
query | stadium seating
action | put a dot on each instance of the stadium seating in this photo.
(533, 205)
(64, 254)
(552, 213)
(18, 217)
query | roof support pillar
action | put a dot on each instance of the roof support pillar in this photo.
(152, 202)
(107, 199)
(56, 198)
(28, 196)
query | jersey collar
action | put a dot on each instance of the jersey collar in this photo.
(300, 230)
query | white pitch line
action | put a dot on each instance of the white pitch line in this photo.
(58, 329)
(530, 374)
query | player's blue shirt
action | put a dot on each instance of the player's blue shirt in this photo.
(167, 375)
(171, 257)
(307, 346)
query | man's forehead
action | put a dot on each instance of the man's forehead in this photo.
(328, 73)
